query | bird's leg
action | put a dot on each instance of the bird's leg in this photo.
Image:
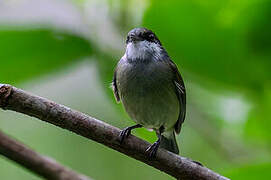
(152, 149)
(127, 131)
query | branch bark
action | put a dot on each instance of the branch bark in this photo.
(179, 167)
(40, 165)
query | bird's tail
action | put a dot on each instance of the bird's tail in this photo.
(168, 142)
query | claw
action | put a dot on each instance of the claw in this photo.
(124, 134)
(152, 150)
(127, 131)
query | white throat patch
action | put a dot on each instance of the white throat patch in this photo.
(142, 50)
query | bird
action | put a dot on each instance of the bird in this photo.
(151, 89)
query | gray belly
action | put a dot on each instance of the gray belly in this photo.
(148, 94)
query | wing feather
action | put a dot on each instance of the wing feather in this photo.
(115, 87)
(181, 94)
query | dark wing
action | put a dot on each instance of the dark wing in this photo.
(180, 90)
(114, 86)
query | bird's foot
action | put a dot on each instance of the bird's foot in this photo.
(127, 131)
(152, 150)
(124, 134)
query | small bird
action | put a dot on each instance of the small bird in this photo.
(151, 89)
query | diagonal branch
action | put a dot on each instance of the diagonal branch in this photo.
(40, 165)
(18, 100)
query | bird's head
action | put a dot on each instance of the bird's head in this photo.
(142, 34)
(143, 45)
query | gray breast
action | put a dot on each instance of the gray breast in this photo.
(148, 93)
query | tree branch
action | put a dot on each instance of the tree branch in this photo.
(15, 99)
(40, 165)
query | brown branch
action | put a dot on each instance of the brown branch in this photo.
(41, 165)
(15, 99)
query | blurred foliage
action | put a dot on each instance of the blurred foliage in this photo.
(251, 172)
(222, 48)
(29, 53)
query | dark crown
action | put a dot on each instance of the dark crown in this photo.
(142, 34)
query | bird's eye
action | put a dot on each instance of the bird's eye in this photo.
(151, 36)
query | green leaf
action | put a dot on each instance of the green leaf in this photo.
(258, 125)
(26, 54)
(261, 171)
